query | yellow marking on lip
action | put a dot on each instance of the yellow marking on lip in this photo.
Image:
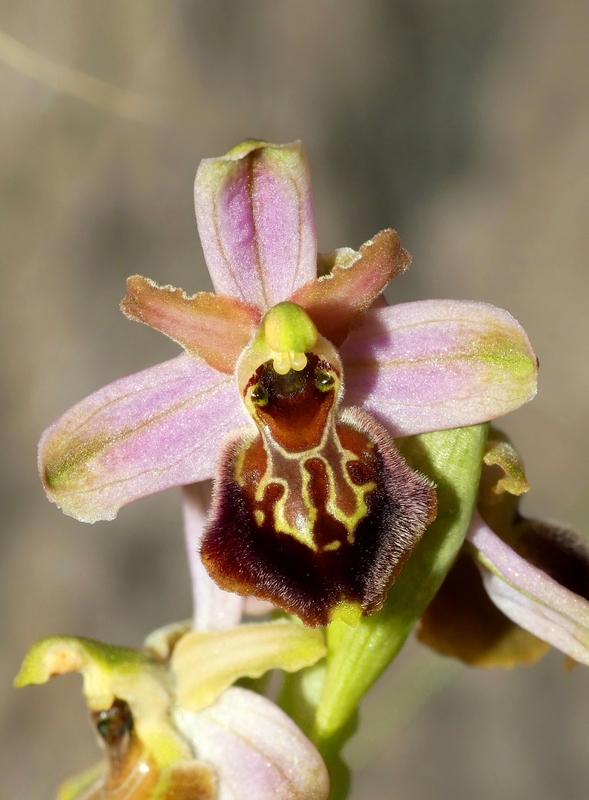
(349, 520)
(294, 512)
(281, 524)
(304, 534)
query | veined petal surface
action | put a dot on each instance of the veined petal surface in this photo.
(438, 364)
(159, 428)
(254, 211)
(257, 750)
(530, 597)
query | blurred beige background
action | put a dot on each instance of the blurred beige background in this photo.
(462, 123)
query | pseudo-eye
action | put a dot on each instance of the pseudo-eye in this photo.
(314, 508)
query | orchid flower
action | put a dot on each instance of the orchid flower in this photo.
(314, 509)
(170, 721)
(518, 586)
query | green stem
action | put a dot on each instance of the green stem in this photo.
(357, 656)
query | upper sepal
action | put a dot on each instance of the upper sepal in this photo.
(254, 211)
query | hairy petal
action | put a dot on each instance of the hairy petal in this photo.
(351, 539)
(337, 300)
(530, 597)
(257, 750)
(438, 364)
(254, 211)
(208, 326)
(158, 428)
(214, 608)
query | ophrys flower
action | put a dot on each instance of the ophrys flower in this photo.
(314, 508)
(172, 726)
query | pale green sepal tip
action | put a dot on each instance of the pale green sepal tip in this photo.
(55, 655)
(357, 656)
(288, 328)
(244, 148)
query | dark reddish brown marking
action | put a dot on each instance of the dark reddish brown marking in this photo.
(297, 410)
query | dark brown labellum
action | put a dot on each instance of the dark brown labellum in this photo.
(318, 511)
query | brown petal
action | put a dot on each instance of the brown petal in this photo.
(337, 301)
(212, 327)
